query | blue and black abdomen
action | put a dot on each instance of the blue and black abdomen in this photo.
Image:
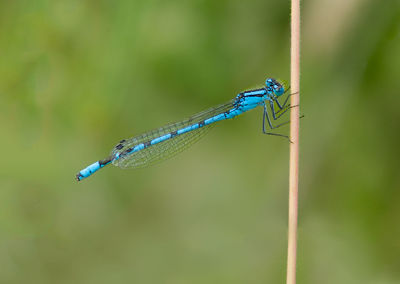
(162, 143)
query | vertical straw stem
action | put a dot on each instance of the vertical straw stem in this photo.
(294, 146)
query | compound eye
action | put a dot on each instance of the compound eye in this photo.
(279, 91)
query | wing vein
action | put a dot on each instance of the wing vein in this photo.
(167, 148)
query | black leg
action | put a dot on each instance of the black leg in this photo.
(271, 104)
(265, 115)
(285, 102)
(281, 112)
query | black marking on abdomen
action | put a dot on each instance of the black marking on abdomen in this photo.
(119, 146)
(127, 151)
(174, 133)
(147, 144)
(201, 123)
(79, 176)
(104, 162)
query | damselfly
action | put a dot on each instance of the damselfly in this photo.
(162, 143)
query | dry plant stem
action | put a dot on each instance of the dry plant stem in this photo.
(294, 147)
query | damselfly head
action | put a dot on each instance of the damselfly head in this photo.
(274, 86)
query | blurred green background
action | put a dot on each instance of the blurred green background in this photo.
(78, 76)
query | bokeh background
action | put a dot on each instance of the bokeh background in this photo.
(78, 76)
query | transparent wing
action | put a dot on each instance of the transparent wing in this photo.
(170, 147)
